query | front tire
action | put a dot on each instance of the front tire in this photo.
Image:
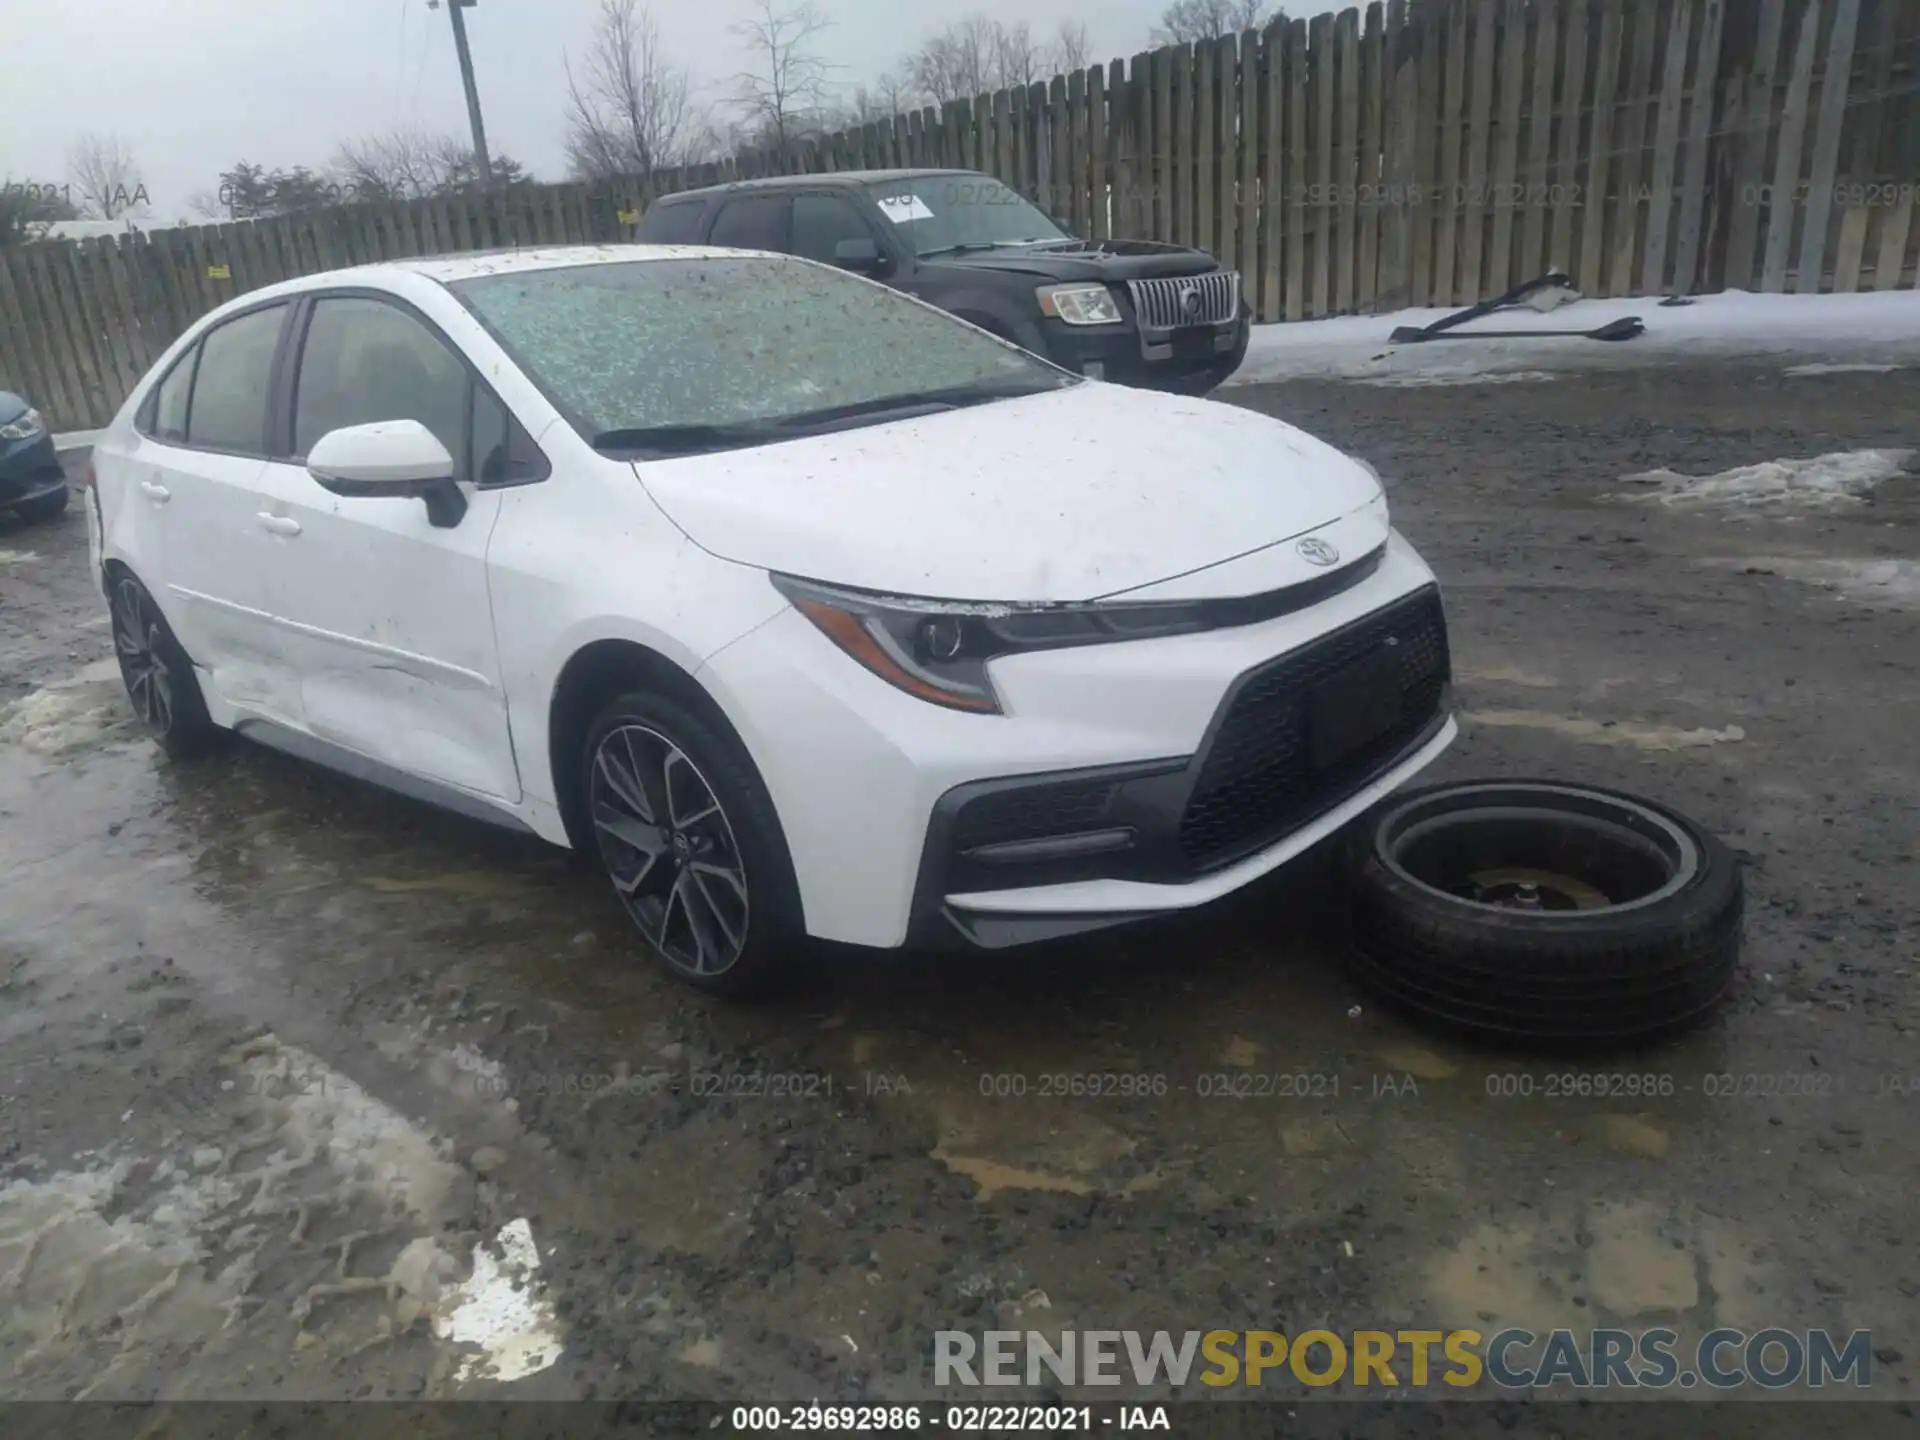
(689, 837)
(161, 685)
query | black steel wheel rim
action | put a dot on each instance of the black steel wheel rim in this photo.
(1559, 852)
(137, 644)
(669, 849)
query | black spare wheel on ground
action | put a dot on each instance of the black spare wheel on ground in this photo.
(1529, 910)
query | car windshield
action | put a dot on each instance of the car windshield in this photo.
(937, 214)
(681, 355)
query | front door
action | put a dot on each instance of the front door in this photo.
(386, 620)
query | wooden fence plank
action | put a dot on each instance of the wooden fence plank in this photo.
(1273, 178)
(1325, 195)
(1508, 188)
(117, 314)
(1346, 167)
(1474, 203)
(1700, 129)
(1750, 149)
(1564, 192)
(1826, 147)
(1251, 134)
(110, 324)
(1060, 133)
(1786, 170)
(19, 365)
(1160, 176)
(1183, 232)
(1079, 180)
(1852, 248)
(1429, 136)
(1533, 188)
(138, 325)
(69, 332)
(1452, 142)
(1200, 153)
(1297, 171)
(1890, 259)
(1630, 185)
(1606, 75)
(1227, 144)
(1128, 109)
(1666, 148)
(1003, 151)
(1402, 207)
(1099, 146)
(1371, 181)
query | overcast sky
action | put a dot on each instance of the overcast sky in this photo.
(195, 85)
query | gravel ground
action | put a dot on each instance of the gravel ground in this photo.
(278, 1051)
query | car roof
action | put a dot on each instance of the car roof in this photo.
(829, 179)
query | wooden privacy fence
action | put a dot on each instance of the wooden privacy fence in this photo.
(1420, 152)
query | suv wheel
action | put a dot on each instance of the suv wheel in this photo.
(159, 677)
(689, 838)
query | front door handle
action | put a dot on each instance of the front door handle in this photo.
(279, 524)
(159, 494)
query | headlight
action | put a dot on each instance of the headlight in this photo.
(938, 650)
(1079, 304)
(23, 427)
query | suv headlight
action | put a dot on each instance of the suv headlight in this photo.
(1079, 304)
(23, 427)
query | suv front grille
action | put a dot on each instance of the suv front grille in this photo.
(1165, 304)
(1257, 782)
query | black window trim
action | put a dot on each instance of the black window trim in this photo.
(863, 208)
(287, 385)
(144, 418)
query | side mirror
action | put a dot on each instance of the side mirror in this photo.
(862, 256)
(392, 458)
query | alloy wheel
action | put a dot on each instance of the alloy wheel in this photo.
(669, 849)
(138, 638)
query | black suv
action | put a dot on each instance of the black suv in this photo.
(1133, 311)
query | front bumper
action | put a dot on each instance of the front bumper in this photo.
(29, 469)
(877, 791)
(1155, 359)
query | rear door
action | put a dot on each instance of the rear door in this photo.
(186, 521)
(385, 619)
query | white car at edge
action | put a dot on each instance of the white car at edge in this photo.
(808, 608)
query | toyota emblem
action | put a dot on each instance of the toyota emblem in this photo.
(1190, 301)
(1316, 551)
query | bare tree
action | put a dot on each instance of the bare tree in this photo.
(783, 89)
(1187, 21)
(629, 111)
(890, 94)
(107, 176)
(1070, 49)
(406, 164)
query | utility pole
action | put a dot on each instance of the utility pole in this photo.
(480, 156)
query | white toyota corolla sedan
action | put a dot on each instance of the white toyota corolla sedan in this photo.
(806, 607)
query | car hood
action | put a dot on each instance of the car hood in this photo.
(1107, 260)
(12, 407)
(1077, 494)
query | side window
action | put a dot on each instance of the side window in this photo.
(503, 453)
(365, 360)
(167, 415)
(821, 222)
(229, 406)
(753, 222)
(668, 223)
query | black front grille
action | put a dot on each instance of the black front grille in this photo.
(1257, 782)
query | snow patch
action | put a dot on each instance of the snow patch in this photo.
(1822, 368)
(69, 713)
(1826, 482)
(10, 558)
(1847, 330)
(1893, 583)
(1459, 377)
(499, 1308)
(1630, 733)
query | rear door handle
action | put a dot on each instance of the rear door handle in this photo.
(159, 494)
(279, 524)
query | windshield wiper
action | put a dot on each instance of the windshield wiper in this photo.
(966, 245)
(687, 439)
